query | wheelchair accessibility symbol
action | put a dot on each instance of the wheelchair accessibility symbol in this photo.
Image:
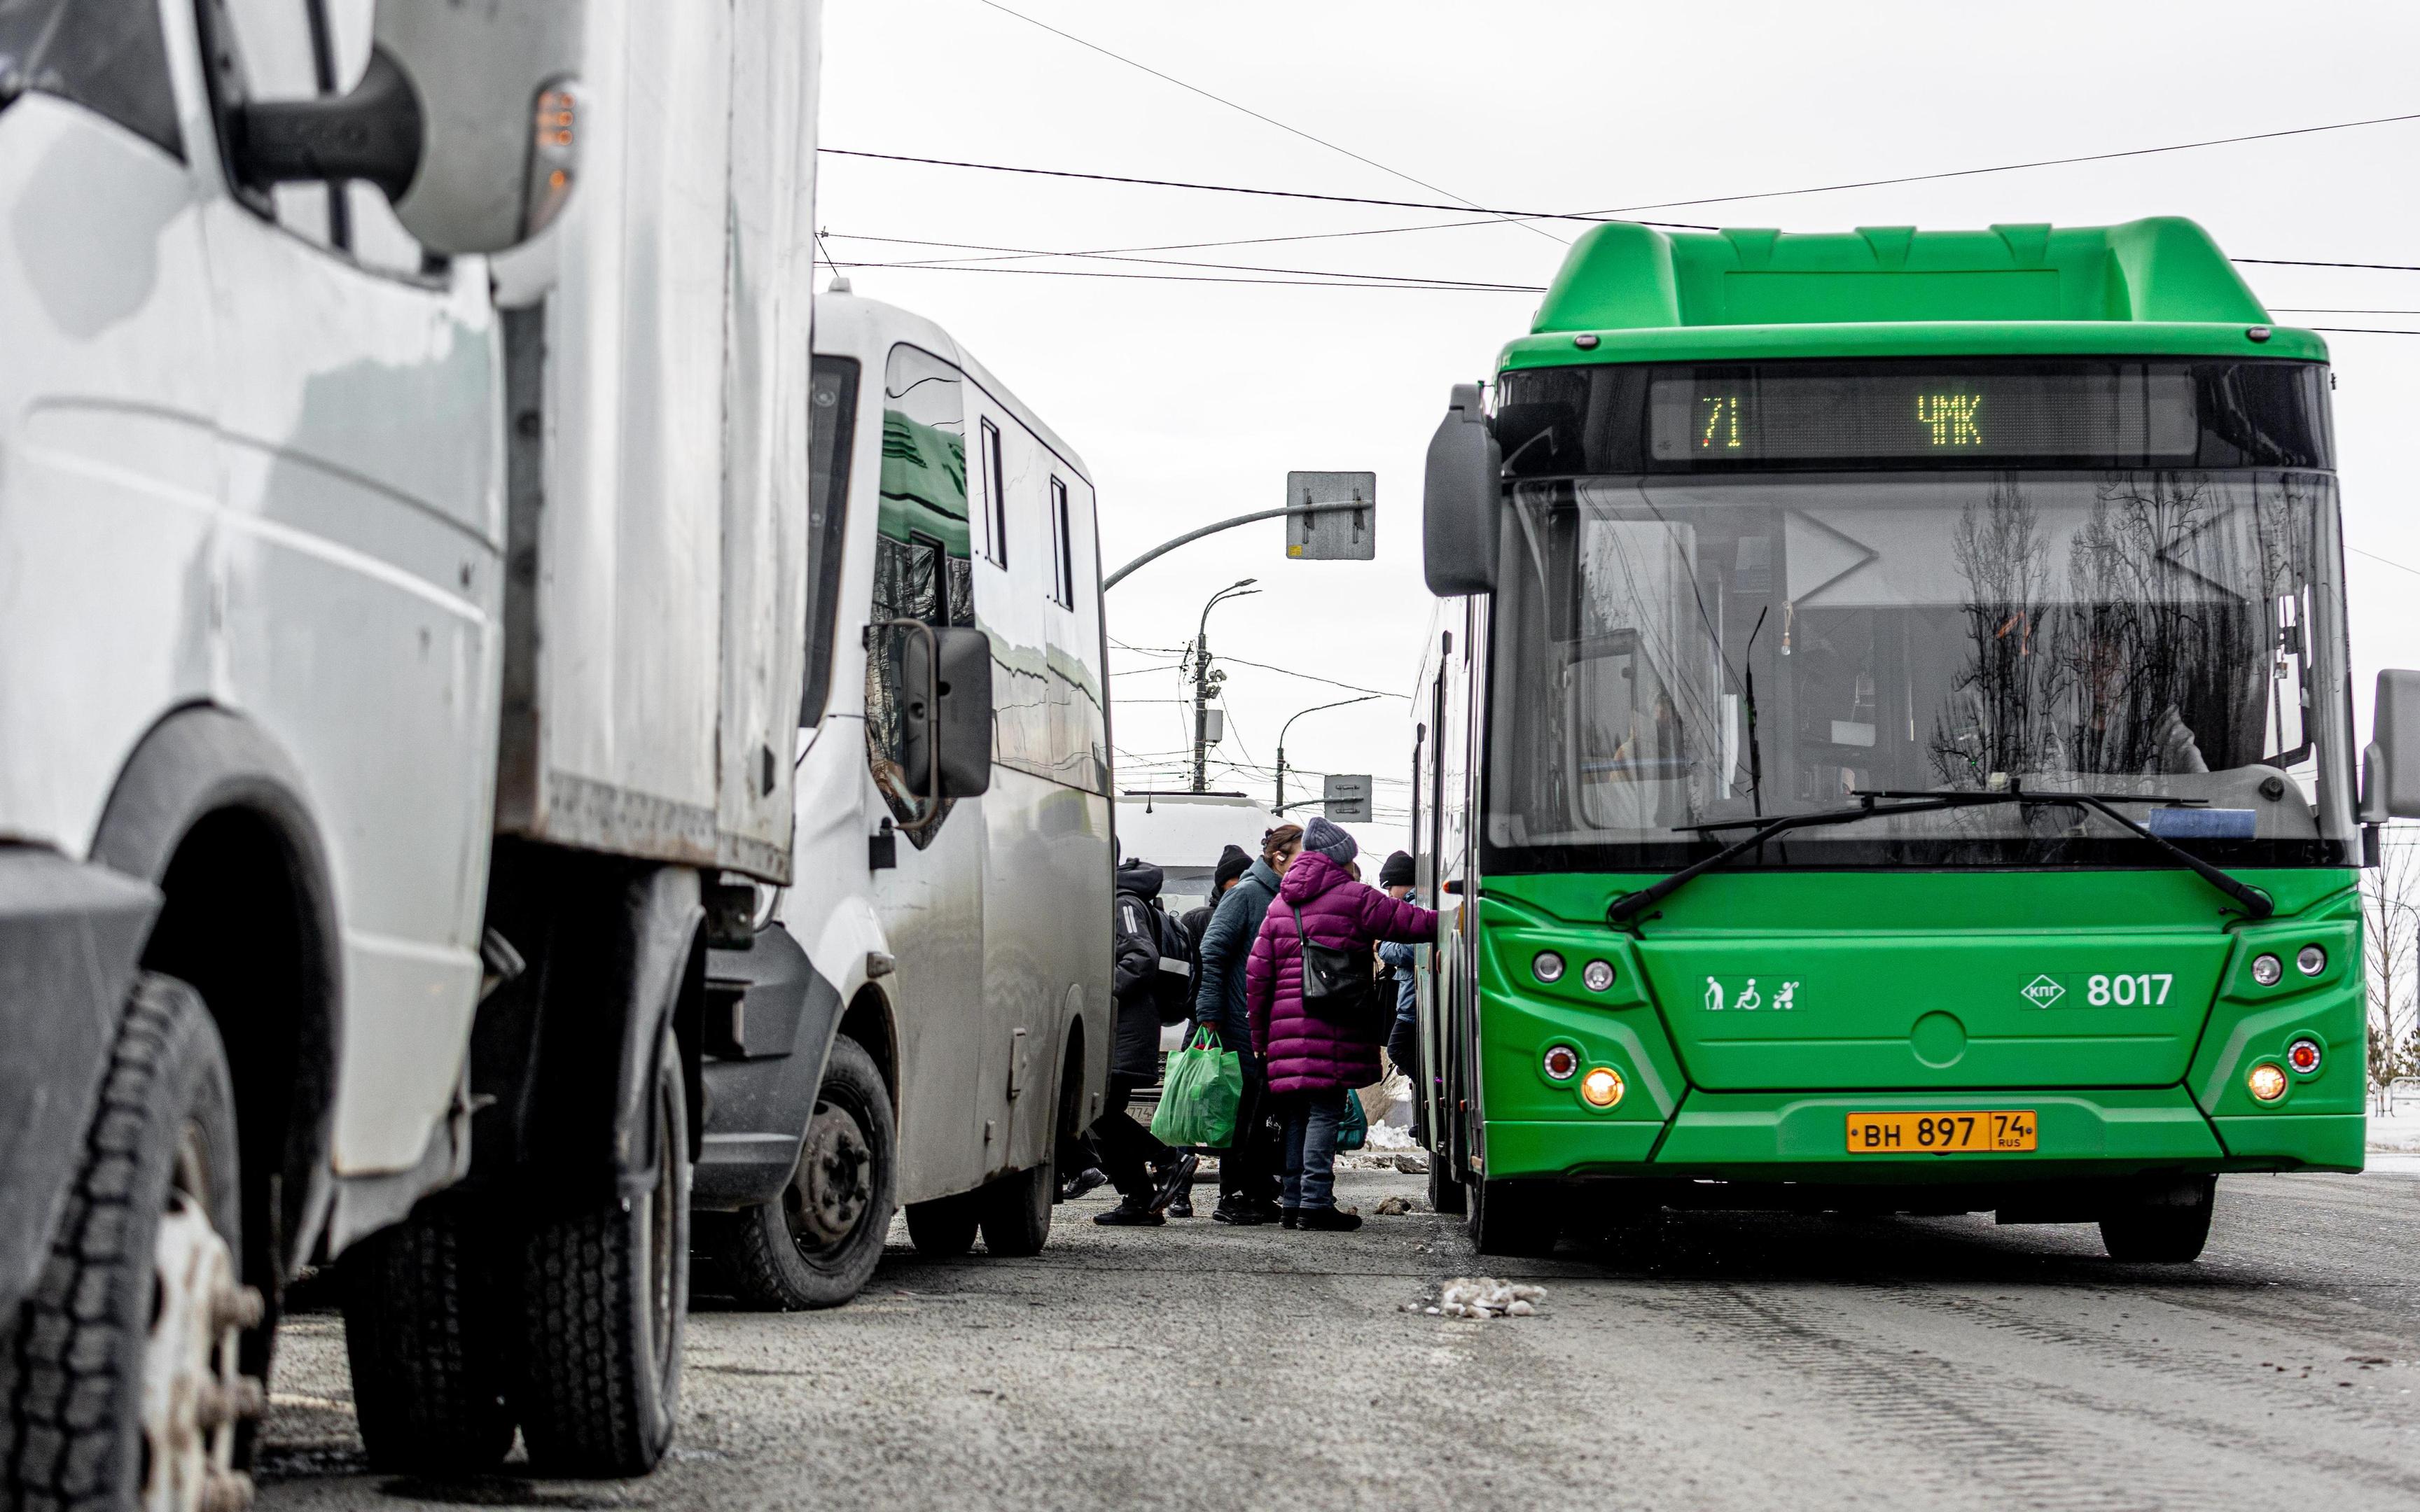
(1738, 996)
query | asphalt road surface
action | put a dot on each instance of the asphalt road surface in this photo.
(1756, 1362)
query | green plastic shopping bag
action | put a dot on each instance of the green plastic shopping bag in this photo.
(1199, 1095)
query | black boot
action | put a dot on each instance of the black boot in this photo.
(1131, 1212)
(1329, 1220)
(1172, 1178)
(1236, 1210)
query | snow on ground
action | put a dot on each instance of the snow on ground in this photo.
(2400, 1130)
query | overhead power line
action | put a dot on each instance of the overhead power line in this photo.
(2014, 167)
(1436, 287)
(2305, 262)
(1238, 188)
(1265, 119)
(1152, 262)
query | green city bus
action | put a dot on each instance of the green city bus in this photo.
(1887, 743)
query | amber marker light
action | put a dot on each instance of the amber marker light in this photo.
(2267, 1081)
(2303, 1055)
(1601, 1086)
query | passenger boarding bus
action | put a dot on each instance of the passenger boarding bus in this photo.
(1887, 745)
(924, 1013)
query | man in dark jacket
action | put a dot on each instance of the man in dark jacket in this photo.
(1243, 1171)
(1147, 1173)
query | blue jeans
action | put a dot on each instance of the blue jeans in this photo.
(1312, 1119)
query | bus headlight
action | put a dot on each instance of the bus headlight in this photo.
(2267, 1081)
(1547, 967)
(2312, 961)
(1597, 976)
(1601, 1086)
(2267, 970)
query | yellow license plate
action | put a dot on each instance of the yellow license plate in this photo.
(1940, 1134)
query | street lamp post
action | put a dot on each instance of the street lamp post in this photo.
(1204, 680)
(1365, 698)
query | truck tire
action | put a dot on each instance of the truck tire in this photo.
(428, 1330)
(604, 1295)
(1511, 1218)
(944, 1227)
(140, 1280)
(817, 1245)
(2164, 1226)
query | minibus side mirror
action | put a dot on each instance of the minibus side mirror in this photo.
(465, 117)
(2390, 764)
(1462, 500)
(945, 711)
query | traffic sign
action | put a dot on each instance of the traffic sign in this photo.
(1348, 532)
(1347, 797)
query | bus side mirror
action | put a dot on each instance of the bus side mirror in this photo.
(1462, 500)
(464, 117)
(2390, 764)
(945, 712)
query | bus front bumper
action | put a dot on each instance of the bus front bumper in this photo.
(1802, 1137)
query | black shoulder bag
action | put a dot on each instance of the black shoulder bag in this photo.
(1337, 984)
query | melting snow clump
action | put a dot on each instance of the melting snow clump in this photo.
(1481, 1297)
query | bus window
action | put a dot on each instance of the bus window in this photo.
(922, 568)
(995, 482)
(831, 416)
(1063, 556)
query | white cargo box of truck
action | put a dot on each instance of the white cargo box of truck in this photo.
(657, 353)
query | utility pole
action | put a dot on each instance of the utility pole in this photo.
(1206, 680)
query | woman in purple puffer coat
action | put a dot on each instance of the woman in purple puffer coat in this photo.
(1312, 1063)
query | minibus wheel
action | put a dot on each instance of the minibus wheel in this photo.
(817, 1243)
(944, 1227)
(1512, 1218)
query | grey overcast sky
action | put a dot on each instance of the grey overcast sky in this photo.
(1190, 400)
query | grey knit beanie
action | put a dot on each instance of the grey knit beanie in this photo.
(1330, 841)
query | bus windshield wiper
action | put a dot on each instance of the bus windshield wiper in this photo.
(2255, 902)
(1631, 904)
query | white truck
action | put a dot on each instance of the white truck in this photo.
(400, 653)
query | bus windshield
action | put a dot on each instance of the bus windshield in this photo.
(1670, 652)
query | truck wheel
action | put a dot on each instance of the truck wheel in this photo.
(426, 1326)
(944, 1227)
(604, 1295)
(120, 1380)
(1509, 1218)
(817, 1245)
(2167, 1226)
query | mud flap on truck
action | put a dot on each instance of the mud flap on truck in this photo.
(70, 936)
(568, 1246)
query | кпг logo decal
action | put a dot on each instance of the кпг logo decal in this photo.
(2043, 990)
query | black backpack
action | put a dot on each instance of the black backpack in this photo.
(1171, 992)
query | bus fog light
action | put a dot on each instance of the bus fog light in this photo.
(2303, 1055)
(1597, 976)
(2267, 1081)
(2267, 970)
(1601, 1086)
(2312, 961)
(1562, 1062)
(1547, 967)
